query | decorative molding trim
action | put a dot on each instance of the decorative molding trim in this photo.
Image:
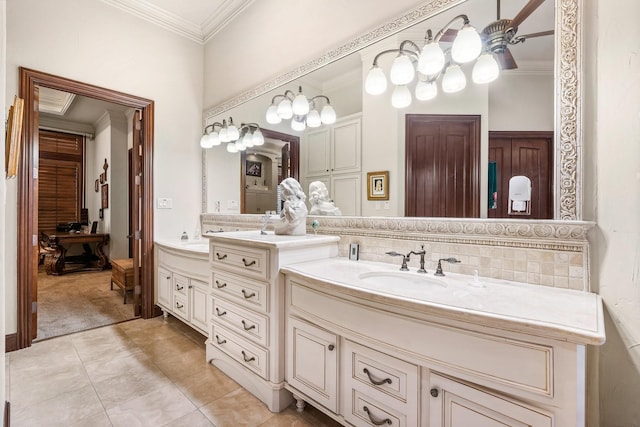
(568, 176)
(568, 236)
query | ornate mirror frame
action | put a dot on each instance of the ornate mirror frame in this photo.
(568, 89)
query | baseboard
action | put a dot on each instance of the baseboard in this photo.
(7, 414)
(10, 342)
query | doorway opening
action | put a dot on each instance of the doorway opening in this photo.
(30, 82)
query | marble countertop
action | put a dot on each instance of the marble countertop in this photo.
(196, 245)
(563, 314)
(270, 239)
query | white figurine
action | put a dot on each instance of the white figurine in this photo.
(321, 204)
(294, 211)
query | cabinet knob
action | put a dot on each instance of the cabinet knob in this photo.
(331, 347)
(434, 392)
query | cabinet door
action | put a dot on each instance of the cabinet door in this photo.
(199, 300)
(317, 152)
(456, 404)
(312, 362)
(164, 287)
(345, 191)
(345, 146)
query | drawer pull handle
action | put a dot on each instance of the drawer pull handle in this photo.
(248, 264)
(250, 359)
(331, 347)
(384, 381)
(178, 305)
(178, 287)
(220, 285)
(244, 325)
(434, 392)
(219, 341)
(374, 421)
(220, 257)
(247, 296)
(168, 277)
(219, 313)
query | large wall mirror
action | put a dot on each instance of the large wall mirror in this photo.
(540, 95)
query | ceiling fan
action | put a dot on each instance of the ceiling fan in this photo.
(499, 34)
(502, 32)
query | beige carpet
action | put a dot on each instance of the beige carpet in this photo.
(79, 301)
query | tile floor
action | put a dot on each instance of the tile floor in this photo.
(137, 373)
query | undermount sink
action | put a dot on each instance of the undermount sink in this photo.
(399, 278)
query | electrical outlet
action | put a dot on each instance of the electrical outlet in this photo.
(165, 203)
(354, 251)
(386, 206)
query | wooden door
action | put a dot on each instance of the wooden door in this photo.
(523, 153)
(27, 205)
(442, 166)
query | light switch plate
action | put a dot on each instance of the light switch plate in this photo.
(165, 203)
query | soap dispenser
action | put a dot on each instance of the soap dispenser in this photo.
(184, 236)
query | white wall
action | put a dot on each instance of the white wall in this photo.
(92, 42)
(613, 141)
(3, 275)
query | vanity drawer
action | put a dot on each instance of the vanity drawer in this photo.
(240, 259)
(247, 354)
(374, 372)
(180, 284)
(248, 293)
(365, 411)
(180, 306)
(242, 321)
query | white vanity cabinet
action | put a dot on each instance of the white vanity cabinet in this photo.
(246, 328)
(333, 156)
(495, 357)
(182, 283)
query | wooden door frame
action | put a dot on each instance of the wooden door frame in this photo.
(27, 197)
(294, 146)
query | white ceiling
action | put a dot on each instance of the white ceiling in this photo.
(198, 20)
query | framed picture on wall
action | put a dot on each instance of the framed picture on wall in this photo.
(378, 185)
(105, 196)
(254, 168)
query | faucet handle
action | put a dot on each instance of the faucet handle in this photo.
(439, 267)
(404, 259)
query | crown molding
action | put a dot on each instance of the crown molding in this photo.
(199, 33)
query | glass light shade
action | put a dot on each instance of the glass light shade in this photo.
(328, 115)
(401, 97)
(300, 105)
(205, 141)
(313, 119)
(453, 80)
(402, 71)
(240, 145)
(231, 147)
(257, 137)
(223, 135)
(214, 138)
(467, 45)
(285, 109)
(232, 132)
(272, 115)
(247, 140)
(486, 69)
(376, 82)
(298, 125)
(431, 60)
(426, 90)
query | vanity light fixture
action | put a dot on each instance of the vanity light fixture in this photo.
(237, 139)
(302, 111)
(430, 62)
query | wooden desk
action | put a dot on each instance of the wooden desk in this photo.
(56, 262)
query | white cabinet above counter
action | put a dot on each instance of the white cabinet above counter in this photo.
(403, 348)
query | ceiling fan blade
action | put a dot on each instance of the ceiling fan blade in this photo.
(449, 35)
(540, 34)
(505, 59)
(525, 12)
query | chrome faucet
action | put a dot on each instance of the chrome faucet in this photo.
(404, 259)
(422, 254)
(439, 268)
